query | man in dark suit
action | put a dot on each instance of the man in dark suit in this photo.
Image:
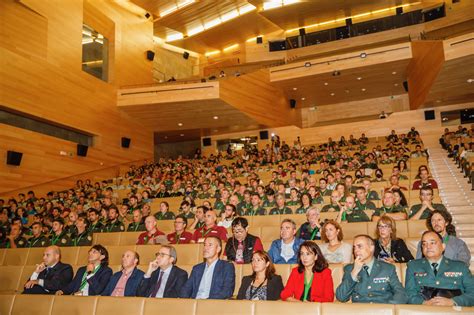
(126, 281)
(91, 279)
(212, 279)
(51, 275)
(163, 279)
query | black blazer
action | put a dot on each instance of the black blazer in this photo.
(399, 250)
(176, 281)
(274, 287)
(97, 283)
(56, 279)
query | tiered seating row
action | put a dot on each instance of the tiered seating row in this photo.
(59, 305)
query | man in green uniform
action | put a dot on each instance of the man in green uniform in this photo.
(362, 203)
(256, 208)
(369, 280)
(437, 280)
(371, 194)
(82, 237)
(59, 237)
(389, 208)
(114, 224)
(38, 239)
(281, 208)
(15, 239)
(422, 210)
(94, 218)
(137, 224)
(349, 213)
(334, 205)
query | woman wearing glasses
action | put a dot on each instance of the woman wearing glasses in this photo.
(311, 280)
(263, 284)
(388, 247)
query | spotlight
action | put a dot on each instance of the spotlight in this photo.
(336, 73)
(307, 64)
(363, 55)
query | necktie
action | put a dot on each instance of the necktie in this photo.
(366, 268)
(46, 271)
(435, 268)
(157, 285)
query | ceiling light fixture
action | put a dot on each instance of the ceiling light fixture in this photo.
(359, 78)
(363, 55)
(294, 89)
(215, 117)
(325, 83)
(336, 73)
(231, 47)
(303, 98)
(307, 64)
(394, 72)
(180, 124)
(182, 135)
(332, 94)
(470, 80)
(363, 89)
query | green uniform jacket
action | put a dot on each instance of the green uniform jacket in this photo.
(302, 210)
(258, 211)
(381, 286)
(285, 210)
(83, 239)
(168, 215)
(96, 228)
(327, 208)
(61, 240)
(383, 210)
(136, 227)
(40, 241)
(356, 216)
(452, 274)
(116, 226)
(416, 208)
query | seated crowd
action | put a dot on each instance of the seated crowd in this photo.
(438, 276)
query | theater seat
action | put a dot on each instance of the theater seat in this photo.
(412, 244)
(165, 226)
(6, 303)
(430, 310)
(68, 304)
(416, 228)
(9, 278)
(117, 305)
(403, 272)
(188, 254)
(129, 238)
(115, 254)
(26, 273)
(147, 252)
(352, 229)
(32, 304)
(16, 257)
(224, 307)
(2, 255)
(357, 309)
(255, 230)
(35, 256)
(270, 233)
(337, 274)
(69, 255)
(108, 239)
(172, 306)
(238, 277)
(286, 308)
(262, 220)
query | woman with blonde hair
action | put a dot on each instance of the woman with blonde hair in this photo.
(388, 247)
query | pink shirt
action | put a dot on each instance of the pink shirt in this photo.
(120, 287)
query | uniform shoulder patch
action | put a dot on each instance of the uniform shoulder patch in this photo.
(63, 241)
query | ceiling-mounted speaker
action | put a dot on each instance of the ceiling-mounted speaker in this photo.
(82, 149)
(259, 40)
(292, 103)
(147, 15)
(430, 115)
(14, 158)
(126, 142)
(405, 85)
(206, 142)
(348, 22)
(185, 55)
(264, 135)
(150, 55)
(399, 11)
(302, 31)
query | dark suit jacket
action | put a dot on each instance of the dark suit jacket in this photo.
(223, 281)
(176, 281)
(56, 279)
(132, 283)
(97, 282)
(399, 250)
(274, 287)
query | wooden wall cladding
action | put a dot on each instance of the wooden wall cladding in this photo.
(47, 82)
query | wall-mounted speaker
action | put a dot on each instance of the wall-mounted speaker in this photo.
(185, 55)
(259, 40)
(82, 150)
(292, 103)
(399, 11)
(302, 31)
(206, 142)
(14, 158)
(264, 135)
(348, 22)
(430, 115)
(147, 15)
(126, 142)
(150, 55)
(405, 85)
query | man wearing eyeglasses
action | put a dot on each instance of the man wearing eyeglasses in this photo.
(422, 210)
(241, 246)
(437, 280)
(180, 235)
(163, 279)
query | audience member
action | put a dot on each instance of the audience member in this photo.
(210, 228)
(388, 247)
(126, 281)
(241, 246)
(422, 210)
(152, 235)
(285, 249)
(311, 229)
(137, 224)
(333, 248)
(180, 235)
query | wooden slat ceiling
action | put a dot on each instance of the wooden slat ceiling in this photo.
(378, 80)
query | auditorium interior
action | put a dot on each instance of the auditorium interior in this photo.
(107, 101)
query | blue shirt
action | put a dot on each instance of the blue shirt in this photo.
(206, 281)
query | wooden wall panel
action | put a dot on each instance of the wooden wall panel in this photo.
(56, 89)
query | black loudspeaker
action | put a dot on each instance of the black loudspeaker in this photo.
(82, 150)
(206, 142)
(259, 40)
(430, 115)
(348, 22)
(14, 158)
(150, 55)
(405, 85)
(399, 11)
(126, 142)
(293, 103)
(302, 31)
(185, 55)
(147, 15)
(264, 135)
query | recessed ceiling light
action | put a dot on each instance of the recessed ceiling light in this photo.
(347, 91)
(363, 90)
(470, 80)
(336, 73)
(359, 78)
(294, 89)
(303, 98)
(307, 64)
(438, 101)
(180, 124)
(332, 94)
(325, 83)
(215, 117)
(363, 55)
(394, 72)
(182, 135)
(166, 137)
(396, 84)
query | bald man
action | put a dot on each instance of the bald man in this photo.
(210, 228)
(126, 281)
(152, 233)
(51, 275)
